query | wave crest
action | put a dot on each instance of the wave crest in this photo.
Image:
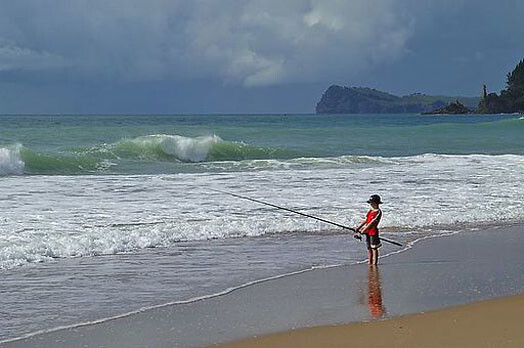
(165, 147)
(11, 162)
(186, 149)
(17, 159)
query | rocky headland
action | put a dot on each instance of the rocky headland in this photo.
(510, 99)
(453, 108)
(361, 100)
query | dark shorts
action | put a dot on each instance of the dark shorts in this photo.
(373, 242)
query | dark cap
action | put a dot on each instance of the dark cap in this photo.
(374, 199)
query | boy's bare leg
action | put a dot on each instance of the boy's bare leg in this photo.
(370, 256)
(374, 256)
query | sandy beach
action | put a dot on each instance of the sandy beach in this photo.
(196, 173)
(490, 323)
(436, 273)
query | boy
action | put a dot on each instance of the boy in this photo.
(371, 229)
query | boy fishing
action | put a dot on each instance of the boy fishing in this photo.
(370, 228)
(371, 222)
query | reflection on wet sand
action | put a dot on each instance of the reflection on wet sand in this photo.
(375, 305)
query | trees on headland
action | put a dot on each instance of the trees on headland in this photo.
(510, 99)
(351, 100)
(516, 86)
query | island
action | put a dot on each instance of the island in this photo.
(453, 108)
(363, 100)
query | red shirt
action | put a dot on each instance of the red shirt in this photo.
(371, 215)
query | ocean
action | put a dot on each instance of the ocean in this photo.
(102, 215)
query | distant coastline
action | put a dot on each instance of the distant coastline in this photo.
(361, 100)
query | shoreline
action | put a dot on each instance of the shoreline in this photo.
(488, 323)
(204, 297)
(406, 247)
(316, 281)
(444, 232)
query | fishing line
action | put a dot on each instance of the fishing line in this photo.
(303, 214)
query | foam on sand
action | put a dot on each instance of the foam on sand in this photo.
(428, 276)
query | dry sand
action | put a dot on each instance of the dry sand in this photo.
(491, 323)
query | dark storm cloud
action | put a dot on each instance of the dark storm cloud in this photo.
(251, 43)
(238, 45)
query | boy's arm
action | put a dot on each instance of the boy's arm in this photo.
(360, 226)
(373, 222)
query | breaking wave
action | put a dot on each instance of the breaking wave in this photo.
(17, 159)
(10, 160)
(165, 153)
(62, 217)
(186, 149)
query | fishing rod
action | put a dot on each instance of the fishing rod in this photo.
(303, 214)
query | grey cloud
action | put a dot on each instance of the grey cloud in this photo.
(250, 43)
(14, 58)
(164, 55)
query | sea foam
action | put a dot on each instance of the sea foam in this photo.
(83, 216)
(160, 145)
(10, 160)
(141, 151)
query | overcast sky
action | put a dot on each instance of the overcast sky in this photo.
(236, 56)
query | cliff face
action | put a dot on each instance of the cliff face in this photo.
(357, 100)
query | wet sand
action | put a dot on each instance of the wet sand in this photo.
(436, 273)
(490, 323)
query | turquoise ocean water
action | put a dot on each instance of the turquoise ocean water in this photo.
(173, 144)
(102, 215)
